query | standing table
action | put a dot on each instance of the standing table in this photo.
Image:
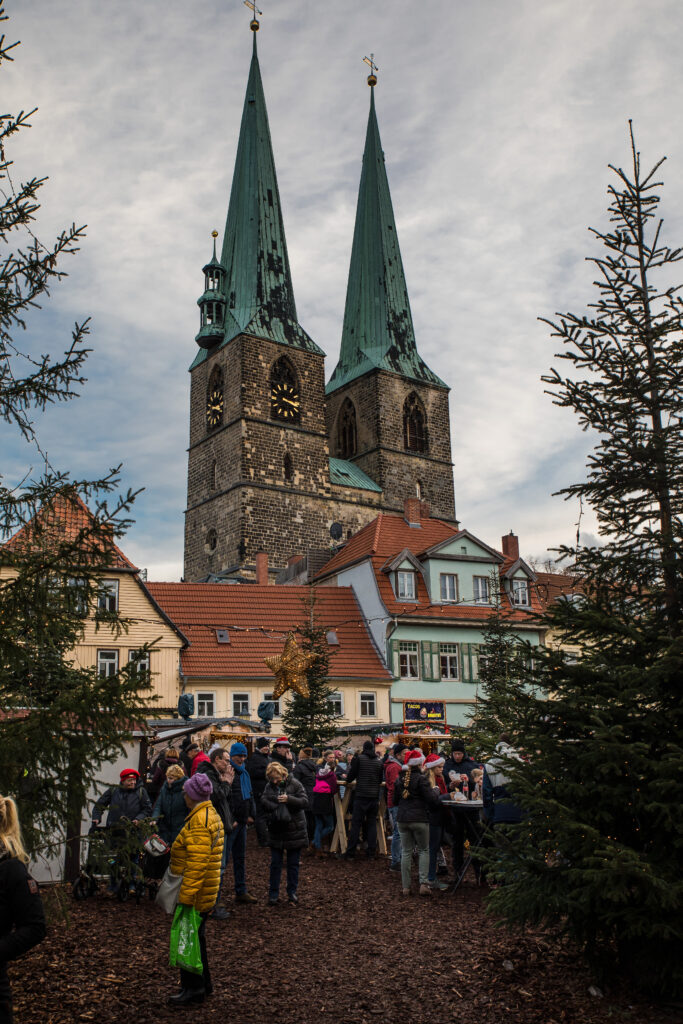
(469, 809)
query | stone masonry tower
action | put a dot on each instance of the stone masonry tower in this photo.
(258, 471)
(387, 412)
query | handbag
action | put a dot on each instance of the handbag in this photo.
(156, 846)
(280, 819)
(167, 896)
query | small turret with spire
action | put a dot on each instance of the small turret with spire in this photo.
(212, 302)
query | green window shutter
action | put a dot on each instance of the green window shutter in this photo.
(436, 663)
(425, 647)
(466, 673)
(393, 659)
(474, 649)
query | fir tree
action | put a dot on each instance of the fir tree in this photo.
(310, 721)
(600, 852)
(59, 722)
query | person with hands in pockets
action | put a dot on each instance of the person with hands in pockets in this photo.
(196, 855)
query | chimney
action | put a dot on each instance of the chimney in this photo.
(262, 568)
(411, 511)
(425, 510)
(511, 546)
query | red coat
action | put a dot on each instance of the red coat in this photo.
(197, 760)
(392, 770)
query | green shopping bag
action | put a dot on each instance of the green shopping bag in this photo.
(184, 950)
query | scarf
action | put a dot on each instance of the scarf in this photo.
(245, 779)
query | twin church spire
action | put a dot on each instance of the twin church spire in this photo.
(250, 291)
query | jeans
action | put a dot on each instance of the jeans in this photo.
(202, 982)
(365, 815)
(435, 840)
(236, 845)
(324, 824)
(414, 833)
(395, 837)
(276, 861)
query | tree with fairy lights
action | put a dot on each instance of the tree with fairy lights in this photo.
(311, 721)
(599, 854)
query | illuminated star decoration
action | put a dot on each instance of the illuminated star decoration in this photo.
(289, 669)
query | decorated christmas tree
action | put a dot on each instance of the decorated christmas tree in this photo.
(310, 721)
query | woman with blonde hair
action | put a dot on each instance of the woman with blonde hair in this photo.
(22, 921)
(284, 800)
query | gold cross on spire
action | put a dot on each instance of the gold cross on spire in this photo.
(254, 25)
(370, 61)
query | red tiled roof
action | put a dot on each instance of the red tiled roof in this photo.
(258, 618)
(388, 535)
(66, 517)
(551, 585)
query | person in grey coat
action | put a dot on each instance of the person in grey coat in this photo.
(284, 801)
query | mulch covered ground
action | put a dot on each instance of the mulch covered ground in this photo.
(355, 950)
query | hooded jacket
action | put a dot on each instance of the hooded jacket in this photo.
(366, 770)
(170, 810)
(196, 855)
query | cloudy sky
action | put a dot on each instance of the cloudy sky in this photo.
(498, 119)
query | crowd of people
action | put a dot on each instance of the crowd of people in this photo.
(202, 803)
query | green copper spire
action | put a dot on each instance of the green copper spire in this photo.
(378, 326)
(258, 285)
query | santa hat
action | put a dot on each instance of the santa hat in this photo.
(434, 761)
(413, 758)
(129, 771)
(282, 741)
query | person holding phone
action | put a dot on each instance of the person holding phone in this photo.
(284, 801)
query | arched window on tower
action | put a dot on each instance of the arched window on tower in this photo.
(285, 401)
(419, 490)
(214, 399)
(414, 425)
(347, 437)
(288, 468)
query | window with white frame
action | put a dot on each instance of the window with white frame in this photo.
(368, 705)
(408, 659)
(336, 704)
(107, 663)
(480, 586)
(108, 596)
(77, 596)
(142, 660)
(405, 586)
(449, 586)
(449, 658)
(520, 592)
(240, 704)
(278, 710)
(206, 704)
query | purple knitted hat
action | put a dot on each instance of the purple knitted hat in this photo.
(199, 787)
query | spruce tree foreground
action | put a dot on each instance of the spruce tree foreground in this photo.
(59, 723)
(311, 721)
(599, 853)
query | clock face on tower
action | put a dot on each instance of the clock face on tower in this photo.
(214, 408)
(285, 403)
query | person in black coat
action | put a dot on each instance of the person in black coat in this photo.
(366, 771)
(305, 771)
(127, 804)
(217, 770)
(285, 802)
(256, 766)
(457, 768)
(414, 798)
(22, 920)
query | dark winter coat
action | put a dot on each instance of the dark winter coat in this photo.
(256, 765)
(22, 921)
(280, 758)
(133, 804)
(296, 835)
(241, 809)
(421, 797)
(170, 810)
(305, 771)
(322, 802)
(465, 767)
(221, 798)
(366, 770)
(159, 774)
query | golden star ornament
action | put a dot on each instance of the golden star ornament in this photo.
(289, 669)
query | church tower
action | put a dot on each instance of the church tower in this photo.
(258, 464)
(387, 412)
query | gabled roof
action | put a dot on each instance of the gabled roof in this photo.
(258, 283)
(69, 519)
(387, 540)
(510, 567)
(257, 619)
(437, 549)
(378, 328)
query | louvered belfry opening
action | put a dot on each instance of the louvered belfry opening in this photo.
(414, 425)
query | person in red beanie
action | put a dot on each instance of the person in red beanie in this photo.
(127, 802)
(414, 798)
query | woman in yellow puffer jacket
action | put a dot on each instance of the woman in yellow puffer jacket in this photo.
(196, 855)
